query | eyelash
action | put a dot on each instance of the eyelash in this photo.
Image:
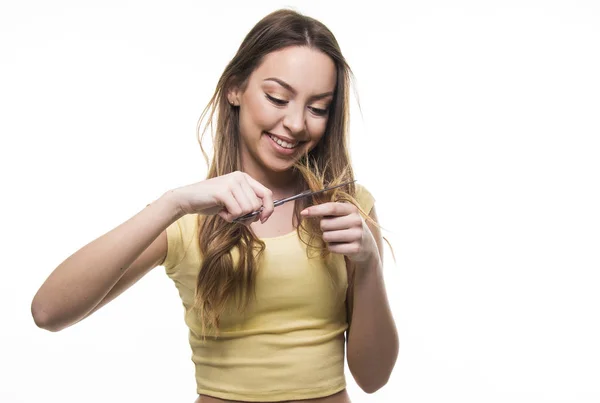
(281, 102)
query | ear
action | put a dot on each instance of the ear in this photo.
(234, 95)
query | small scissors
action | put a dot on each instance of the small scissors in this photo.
(279, 202)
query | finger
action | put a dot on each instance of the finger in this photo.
(328, 209)
(342, 236)
(242, 198)
(255, 201)
(265, 194)
(333, 223)
(249, 221)
(247, 218)
(225, 215)
(344, 248)
(231, 207)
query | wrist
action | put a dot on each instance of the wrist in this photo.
(169, 201)
(370, 263)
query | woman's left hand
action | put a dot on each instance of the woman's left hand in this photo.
(344, 230)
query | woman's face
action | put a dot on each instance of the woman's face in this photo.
(284, 108)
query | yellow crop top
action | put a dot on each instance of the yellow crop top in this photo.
(289, 344)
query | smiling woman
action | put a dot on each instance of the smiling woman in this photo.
(269, 304)
(280, 122)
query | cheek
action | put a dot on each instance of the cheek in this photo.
(259, 116)
(316, 128)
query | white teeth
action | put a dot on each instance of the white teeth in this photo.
(282, 143)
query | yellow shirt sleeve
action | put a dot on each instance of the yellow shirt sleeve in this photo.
(365, 198)
(180, 237)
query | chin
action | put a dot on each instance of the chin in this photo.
(278, 166)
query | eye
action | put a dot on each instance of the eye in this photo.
(276, 101)
(318, 111)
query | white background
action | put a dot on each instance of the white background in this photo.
(479, 137)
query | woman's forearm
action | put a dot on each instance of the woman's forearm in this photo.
(373, 338)
(80, 282)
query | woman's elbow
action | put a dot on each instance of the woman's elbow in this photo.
(370, 380)
(371, 377)
(42, 319)
(373, 385)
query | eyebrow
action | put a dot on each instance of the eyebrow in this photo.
(293, 91)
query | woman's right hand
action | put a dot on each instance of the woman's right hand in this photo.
(230, 196)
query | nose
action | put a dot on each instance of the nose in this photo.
(294, 119)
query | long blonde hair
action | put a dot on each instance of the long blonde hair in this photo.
(230, 251)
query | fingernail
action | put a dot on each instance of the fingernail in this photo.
(304, 212)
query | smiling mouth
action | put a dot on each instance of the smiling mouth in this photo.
(283, 143)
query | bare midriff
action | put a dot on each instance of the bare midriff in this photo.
(340, 397)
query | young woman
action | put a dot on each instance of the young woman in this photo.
(273, 302)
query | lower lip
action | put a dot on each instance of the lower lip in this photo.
(280, 149)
